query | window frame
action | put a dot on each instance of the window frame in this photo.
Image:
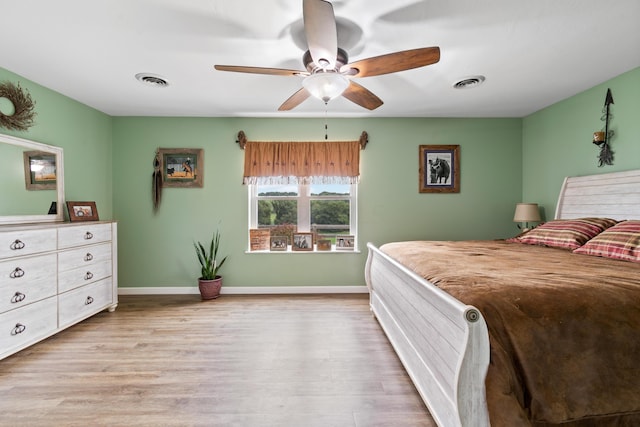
(304, 199)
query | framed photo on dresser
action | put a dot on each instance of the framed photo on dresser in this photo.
(82, 211)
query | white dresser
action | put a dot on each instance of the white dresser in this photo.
(53, 276)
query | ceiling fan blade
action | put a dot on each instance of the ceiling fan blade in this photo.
(294, 100)
(393, 62)
(362, 96)
(261, 70)
(321, 32)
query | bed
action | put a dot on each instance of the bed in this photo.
(509, 334)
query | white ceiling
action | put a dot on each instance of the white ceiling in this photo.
(533, 53)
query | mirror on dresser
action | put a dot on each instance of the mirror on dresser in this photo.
(32, 178)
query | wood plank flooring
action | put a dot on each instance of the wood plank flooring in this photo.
(268, 361)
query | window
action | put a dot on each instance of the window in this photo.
(328, 210)
(303, 187)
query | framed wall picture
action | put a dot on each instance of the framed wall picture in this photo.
(82, 211)
(302, 242)
(439, 169)
(181, 167)
(345, 243)
(279, 243)
(39, 170)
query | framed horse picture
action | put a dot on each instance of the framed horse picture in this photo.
(439, 169)
(181, 167)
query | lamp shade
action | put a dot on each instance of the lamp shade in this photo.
(526, 212)
(326, 86)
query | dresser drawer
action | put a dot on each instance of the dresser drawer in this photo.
(84, 234)
(26, 242)
(71, 279)
(27, 324)
(26, 280)
(82, 302)
(84, 257)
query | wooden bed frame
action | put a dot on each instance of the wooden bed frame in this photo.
(443, 343)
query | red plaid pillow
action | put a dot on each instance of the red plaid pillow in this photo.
(622, 241)
(565, 233)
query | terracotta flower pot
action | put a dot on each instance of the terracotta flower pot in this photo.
(210, 289)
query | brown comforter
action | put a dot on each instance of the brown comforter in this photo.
(564, 328)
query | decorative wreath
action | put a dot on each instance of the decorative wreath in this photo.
(23, 105)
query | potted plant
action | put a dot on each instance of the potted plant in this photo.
(210, 281)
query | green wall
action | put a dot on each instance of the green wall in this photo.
(557, 140)
(109, 160)
(85, 135)
(157, 250)
(503, 161)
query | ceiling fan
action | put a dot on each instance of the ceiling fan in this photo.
(328, 71)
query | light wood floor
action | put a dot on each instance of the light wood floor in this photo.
(237, 361)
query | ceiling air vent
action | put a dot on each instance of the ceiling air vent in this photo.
(152, 80)
(469, 82)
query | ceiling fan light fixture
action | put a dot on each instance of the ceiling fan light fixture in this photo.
(326, 86)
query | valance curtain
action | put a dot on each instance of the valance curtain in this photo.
(326, 162)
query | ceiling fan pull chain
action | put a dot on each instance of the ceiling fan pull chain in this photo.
(326, 128)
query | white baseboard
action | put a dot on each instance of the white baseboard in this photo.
(247, 290)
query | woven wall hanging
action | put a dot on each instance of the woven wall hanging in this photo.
(23, 105)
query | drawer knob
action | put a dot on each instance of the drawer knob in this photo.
(20, 328)
(89, 300)
(88, 257)
(17, 245)
(18, 297)
(88, 235)
(88, 276)
(17, 273)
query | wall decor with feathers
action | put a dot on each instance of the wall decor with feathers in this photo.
(156, 182)
(23, 107)
(602, 138)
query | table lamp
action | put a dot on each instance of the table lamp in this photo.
(526, 213)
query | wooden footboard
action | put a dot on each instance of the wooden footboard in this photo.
(442, 343)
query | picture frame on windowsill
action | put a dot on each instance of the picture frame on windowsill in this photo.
(302, 242)
(279, 243)
(345, 243)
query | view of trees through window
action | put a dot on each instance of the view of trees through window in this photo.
(324, 209)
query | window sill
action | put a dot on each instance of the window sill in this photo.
(289, 251)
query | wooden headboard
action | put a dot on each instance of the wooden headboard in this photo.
(612, 195)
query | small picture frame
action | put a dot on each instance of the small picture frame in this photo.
(39, 170)
(323, 245)
(181, 167)
(439, 169)
(259, 239)
(279, 243)
(82, 211)
(345, 243)
(302, 242)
